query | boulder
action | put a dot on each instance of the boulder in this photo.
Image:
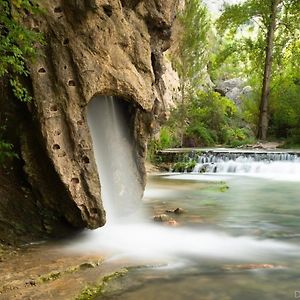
(92, 47)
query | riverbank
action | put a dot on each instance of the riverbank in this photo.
(47, 271)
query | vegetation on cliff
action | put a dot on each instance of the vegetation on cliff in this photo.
(18, 44)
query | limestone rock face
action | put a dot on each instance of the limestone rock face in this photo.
(93, 47)
(234, 89)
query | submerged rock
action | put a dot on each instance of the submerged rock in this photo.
(172, 223)
(177, 211)
(161, 218)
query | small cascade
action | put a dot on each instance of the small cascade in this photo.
(113, 147)
(248, 163)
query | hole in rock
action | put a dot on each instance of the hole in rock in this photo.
(94, 210)
(58, 9)
(111, 123)
(55, 147)
(75, 180)
(63, 154)
(108, 10)
(86, 160)
(54, 107)
(65, 67)
(66, 41)
(42, 70)
(80, 122)
(82, 144)
(71, 83)
(57, 132)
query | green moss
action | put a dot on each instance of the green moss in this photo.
(224, 188)
(93, 291)
(73, 269)
(49, 277)
(183, 166)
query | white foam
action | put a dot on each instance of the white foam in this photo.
(150, 241)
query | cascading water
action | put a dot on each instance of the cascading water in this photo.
(120, 186)
(137, 238)
(270, 165)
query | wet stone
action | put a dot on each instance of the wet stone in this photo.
(161, 218)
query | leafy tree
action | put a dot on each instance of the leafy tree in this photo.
(211, 119)
(190, 56)
(275, 28)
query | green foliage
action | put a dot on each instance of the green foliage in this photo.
(210, 119)
(6, 152)
(6, 148)
(17, 43)
(244, 28)
(191, 54)
(235, 137)
(166, 139)
(183, 166)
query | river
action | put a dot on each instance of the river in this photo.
(230, 216)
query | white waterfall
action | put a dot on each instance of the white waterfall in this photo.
(119, 178)
(136, 238)
(270, 165)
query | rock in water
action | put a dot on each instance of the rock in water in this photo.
(179, 211)
(161, 218)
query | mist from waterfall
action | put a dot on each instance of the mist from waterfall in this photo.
(113, 147)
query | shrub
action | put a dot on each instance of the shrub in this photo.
(6, 152)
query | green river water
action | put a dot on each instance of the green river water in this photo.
(237, 206)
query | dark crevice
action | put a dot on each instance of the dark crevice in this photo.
(108, 10)
(54, 107)
(58, 10)
(75, 180)
(71, 83)
(55, 147)
(42, 70)
(66, 41)
(86, 160)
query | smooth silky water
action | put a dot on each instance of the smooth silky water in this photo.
(239, 237)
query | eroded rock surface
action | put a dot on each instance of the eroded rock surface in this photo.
(94, 47)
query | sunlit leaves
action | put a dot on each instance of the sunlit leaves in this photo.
(246, 26)
(191, 55)
(17, 43)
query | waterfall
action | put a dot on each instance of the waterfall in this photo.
(113, 148)
(121, 191)
(268, 164)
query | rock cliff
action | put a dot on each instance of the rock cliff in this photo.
(93, 47)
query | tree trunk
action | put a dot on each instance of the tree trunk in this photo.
(264, 104)
(182, 113)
